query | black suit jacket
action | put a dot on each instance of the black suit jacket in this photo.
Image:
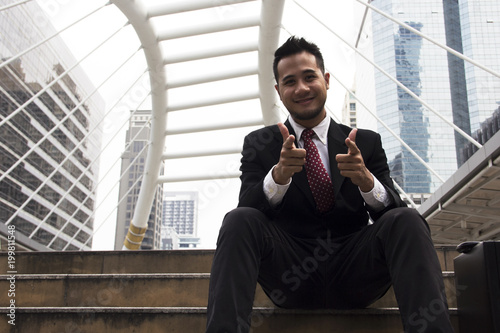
(297, 213)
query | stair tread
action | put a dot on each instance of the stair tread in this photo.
(193, 319)
(55, 276)
(146, 262)
(108, 276)
(201, 309)
(155, 290)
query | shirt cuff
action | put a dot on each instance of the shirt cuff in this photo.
(377, 198)
(274, 192)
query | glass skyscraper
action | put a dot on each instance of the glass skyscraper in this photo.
(50, 136)
(480, 22)
(440, 79)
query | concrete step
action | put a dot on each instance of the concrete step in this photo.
(111, 262)
(193, 319)
(140, 290)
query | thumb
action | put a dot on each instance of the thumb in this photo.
(352, 135)
(284, 131)
(288, 140)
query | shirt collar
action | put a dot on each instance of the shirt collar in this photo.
(321, 129)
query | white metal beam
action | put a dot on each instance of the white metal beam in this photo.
(207, 128)
(213, 101)
(219, 76)
(245, 46)
(136, 13)
(270, 26)
(201, 29)
(200, 177)
(203, 153)
(181, 6)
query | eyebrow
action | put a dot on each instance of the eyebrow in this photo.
(307, 71)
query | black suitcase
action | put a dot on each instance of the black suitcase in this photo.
(477, 276)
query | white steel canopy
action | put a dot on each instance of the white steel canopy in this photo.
(269, 23)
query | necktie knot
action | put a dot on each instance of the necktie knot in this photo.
(307, 134)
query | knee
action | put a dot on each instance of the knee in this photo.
(405, 220)
(242, 215)
(242, 225)
(240, 220)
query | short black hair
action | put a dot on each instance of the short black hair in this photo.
(295, 45)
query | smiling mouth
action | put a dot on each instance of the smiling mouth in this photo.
(304, 100)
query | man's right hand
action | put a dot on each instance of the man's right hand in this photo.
(292, 159)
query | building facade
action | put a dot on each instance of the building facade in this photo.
(180, 220)
(132, 170)
(480, 23)
(50, 136)
(440, 79)
(349, 111)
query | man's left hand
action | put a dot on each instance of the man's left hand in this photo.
(352, 165)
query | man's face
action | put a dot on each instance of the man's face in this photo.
(302, 88)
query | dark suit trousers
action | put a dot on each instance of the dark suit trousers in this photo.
(341, 273)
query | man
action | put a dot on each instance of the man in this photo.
(313, 251)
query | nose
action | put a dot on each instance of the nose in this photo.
(301, 87)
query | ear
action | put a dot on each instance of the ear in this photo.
(277, 90)
(327, 80)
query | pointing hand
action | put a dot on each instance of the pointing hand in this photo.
(292, 159)
(352, 165)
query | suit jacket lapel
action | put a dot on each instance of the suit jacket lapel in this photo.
(300, 179)
(336, 145)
